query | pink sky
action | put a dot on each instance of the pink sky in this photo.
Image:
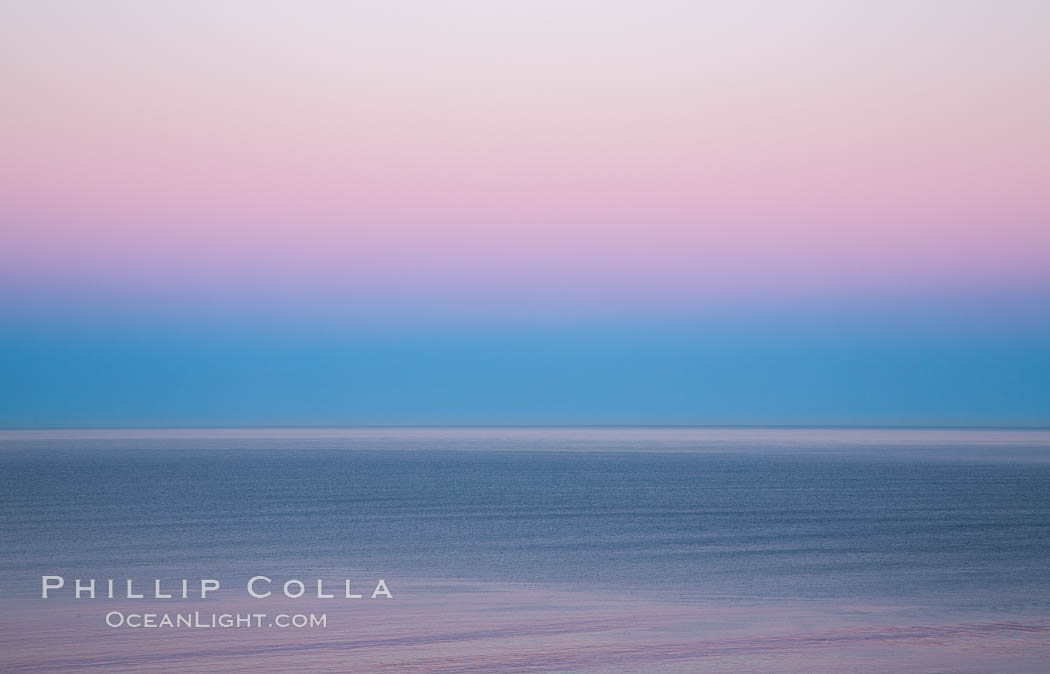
(644, 151)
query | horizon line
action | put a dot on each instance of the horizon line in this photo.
(533, 426)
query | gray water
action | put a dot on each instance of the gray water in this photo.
(958, 520)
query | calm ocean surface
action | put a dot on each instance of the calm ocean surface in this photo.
(948, 526)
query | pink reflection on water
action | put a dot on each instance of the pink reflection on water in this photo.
(457, 627)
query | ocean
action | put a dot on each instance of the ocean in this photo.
(536, 549)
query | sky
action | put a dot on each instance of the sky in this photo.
(577, 212)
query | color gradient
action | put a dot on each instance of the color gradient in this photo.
(525, 197)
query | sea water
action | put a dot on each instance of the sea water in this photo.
(902, 526)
